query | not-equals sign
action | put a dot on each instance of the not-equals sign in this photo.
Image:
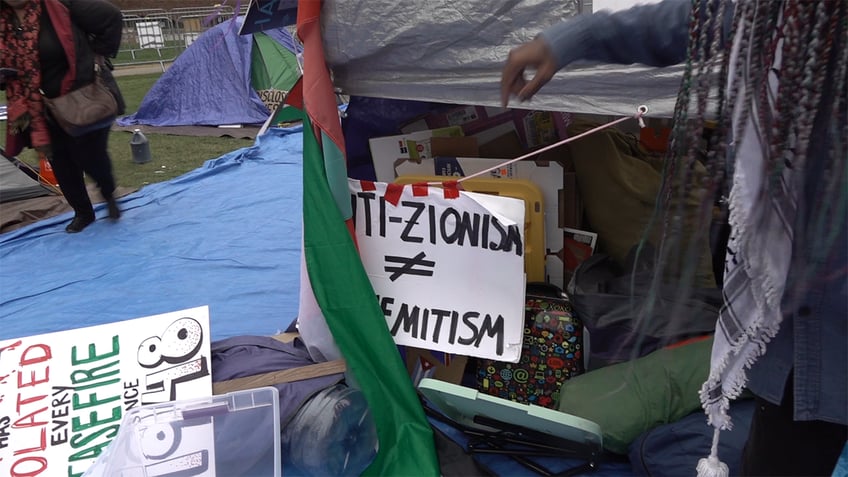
(408, 266)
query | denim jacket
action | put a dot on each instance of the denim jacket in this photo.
(812, 344)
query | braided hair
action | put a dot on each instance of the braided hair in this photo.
(801, 43)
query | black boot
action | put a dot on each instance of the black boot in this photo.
(79, 222)
(114, 211)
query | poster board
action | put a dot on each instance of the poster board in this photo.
(447, 266)
(389, 151)
(63, 394)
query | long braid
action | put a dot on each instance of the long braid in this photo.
(745, 13)
(705, 72)
(782, 96)
(772, 111)
(789, 72)
(705, 52)
(788, 101)
(679, 142)
(806, 69)
(804, 39)
(832, 205)
(808, 31)
(715, 162)
(691, 232)
(761, 57)
(812, 79)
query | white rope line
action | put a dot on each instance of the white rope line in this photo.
(641, 111)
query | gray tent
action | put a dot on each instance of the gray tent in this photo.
(16, 184)
(453, 52)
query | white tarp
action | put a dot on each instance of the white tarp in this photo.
(453, 52)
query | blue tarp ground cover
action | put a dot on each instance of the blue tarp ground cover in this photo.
(227, 235)
(208, 84)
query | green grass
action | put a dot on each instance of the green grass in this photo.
(172, 155)
(171, 50)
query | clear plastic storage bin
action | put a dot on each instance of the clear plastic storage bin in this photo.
(235, 434)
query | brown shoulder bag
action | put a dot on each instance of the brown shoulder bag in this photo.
(84, 109)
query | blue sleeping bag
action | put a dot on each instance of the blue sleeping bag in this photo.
(675, 448)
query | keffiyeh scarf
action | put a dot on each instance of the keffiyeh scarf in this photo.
(758, 257)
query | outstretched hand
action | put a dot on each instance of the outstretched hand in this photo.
(534, 54)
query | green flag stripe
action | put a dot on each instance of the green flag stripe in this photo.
(336, 170)
(348, 303)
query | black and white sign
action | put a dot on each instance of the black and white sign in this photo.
(448, 272)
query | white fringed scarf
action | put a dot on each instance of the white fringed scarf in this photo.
(758, 256)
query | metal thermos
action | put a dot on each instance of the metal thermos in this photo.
(140, 147)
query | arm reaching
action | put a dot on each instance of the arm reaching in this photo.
(535, 54)
(654, 34)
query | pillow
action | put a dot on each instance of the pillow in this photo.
(619, 183)
(627, 399)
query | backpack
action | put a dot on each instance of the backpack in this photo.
(551, 352)
(600, 293)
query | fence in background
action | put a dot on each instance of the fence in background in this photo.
(156, 35)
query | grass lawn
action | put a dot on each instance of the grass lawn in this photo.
(172, 155)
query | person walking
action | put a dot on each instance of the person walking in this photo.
(780, 148)
(50, 47)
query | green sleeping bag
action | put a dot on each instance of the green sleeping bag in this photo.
(627, 399)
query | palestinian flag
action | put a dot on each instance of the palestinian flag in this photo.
(336, 277)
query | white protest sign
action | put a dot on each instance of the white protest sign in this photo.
(63, 394)
(448, 272)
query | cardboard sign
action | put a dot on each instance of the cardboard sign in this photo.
(532, 129)
(448, 272)
(62, 395)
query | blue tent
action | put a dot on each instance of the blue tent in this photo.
(215, 80)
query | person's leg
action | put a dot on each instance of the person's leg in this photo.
(778, 445)
(95, 161)
(70, 177)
